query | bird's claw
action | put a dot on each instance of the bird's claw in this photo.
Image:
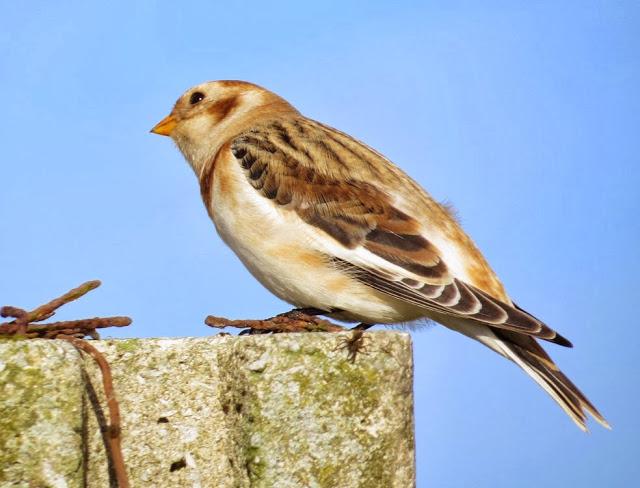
(354, 344)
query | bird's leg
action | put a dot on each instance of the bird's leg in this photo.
(362, 326)
(355, 344)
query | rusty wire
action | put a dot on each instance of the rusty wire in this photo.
(298, 320)
(25, 325)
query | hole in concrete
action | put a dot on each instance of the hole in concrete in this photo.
(238, 407)
(163, 420)
(225, 408)
(175, 466)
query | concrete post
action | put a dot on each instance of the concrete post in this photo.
(285, 410)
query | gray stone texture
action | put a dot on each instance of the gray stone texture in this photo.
(41, 414)
(284, 410)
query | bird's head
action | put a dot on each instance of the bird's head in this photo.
(209, 114)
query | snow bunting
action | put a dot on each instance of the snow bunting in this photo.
(327, 223)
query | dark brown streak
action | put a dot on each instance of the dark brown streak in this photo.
(387, 286)
(270, 189)
(206, 179)
(404, 242)
(524, 320)
(395, 214)
(284, 136)
(306, 174)
(467, 301)
(222, 108)
(490, 311)
(332, 228)
(332, 153)
(334, 135)
(259, 142)
(299, 127)
(238, 152)
(256, 170)
(412, 283)
(450, 291)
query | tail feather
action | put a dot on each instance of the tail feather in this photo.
(532, 358)
(561, 388)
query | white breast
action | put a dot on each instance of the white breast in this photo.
(282, 252)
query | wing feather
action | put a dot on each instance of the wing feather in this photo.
(322, 174)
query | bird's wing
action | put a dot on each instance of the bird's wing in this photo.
(321, 175)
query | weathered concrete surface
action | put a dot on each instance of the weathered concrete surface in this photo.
(288, 410)
(41, 391)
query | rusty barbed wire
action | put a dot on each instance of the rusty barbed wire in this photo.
(297, 320)
(293, 321)
(25, 324)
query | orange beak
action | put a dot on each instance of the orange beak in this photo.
(165, 126)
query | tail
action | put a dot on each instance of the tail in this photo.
(545, 372)
(525, 351)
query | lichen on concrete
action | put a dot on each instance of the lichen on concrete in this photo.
(174, 430)
(40, 414)
(286, 410)
(321, 420)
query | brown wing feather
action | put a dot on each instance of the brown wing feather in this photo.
(492, 312)
(321, 175)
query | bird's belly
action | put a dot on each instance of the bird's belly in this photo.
(274, 246)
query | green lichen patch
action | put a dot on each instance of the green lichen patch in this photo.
(126, 345)
(286, 410)
(40, 414)
(321, 420)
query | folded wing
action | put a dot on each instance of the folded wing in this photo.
(318, 172)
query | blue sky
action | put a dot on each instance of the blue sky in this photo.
(525, 115)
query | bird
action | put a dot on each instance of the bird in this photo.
(328, 224)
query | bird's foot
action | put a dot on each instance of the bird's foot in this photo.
(355, 344)
(296, 320)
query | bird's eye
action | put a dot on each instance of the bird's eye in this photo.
(196, 97)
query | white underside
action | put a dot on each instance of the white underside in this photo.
(286, 255)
